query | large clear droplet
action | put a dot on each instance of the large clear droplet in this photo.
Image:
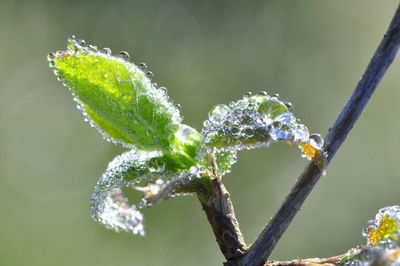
(157, 165)
(142, 66)
(124, 55)
(106, 51)
(316, 141)
(219, 113)
(272, 108)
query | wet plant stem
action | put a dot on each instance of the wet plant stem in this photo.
(259, 252)
(216, 201)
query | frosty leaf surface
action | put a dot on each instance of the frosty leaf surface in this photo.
(384, 229)
(383, 243)
(151, 173)
(117, 96)
(256, 121)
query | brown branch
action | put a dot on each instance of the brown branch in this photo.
(219, 210)
(307, 262)
(380, 62)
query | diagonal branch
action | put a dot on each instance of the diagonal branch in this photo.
(380, 62)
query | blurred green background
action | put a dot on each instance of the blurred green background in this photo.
(205, 52)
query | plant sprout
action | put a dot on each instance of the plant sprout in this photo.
(166, 157)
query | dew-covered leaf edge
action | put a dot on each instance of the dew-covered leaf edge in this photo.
(150, 127)
(257, 121)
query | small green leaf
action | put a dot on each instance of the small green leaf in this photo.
(118, 97)
(257, 121)
(156, 175)
(225, 160)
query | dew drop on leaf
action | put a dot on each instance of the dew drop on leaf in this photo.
(256, 121)
(149, 74)
(384, 230)
(163, 90)
(272, 108)
(117, 97)
(156, 165)
(106, 51)
(142, 66)
(218, 113)
(145, 172)
(124, 55)
(316, 141)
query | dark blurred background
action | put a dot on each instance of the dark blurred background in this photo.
(205, 52)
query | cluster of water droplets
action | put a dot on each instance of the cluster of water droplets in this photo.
(153, 91)
(252, 122)
(169, 185)
(145, 172)
(384, 230)
(383, 241)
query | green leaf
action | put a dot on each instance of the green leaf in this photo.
(118, 97)
(257, 121)
(155, 175)
(225, 160)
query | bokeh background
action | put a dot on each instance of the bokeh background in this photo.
(205, 52)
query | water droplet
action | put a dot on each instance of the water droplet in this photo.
(247, 94)
(276, 95)
(385, 229)
(124, 55)
(272, 108)
(284, 118)
(218, 113)
(76, 48)
(234, 130)
(263, 93)
(71, 38)
(93, 48)
(289, 106)
(50, 57)
(276, 124)
(106, 51)
(149, 74)
(206, 124)
(301, 133)
(82, 43)
(185, 131)
(157, 165)
(261, 131)
(163, 90)
(194, 170)
(142, 66)
(246, 119)
(316, 141)
(178, 106)
(248, 132)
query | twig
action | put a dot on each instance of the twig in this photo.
(307, 262)
(219, 210)
(383, 57)
(218, 207)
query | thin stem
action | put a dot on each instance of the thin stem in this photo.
(307, 262)
(216, 203)
(380, 62)
(221, 216)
